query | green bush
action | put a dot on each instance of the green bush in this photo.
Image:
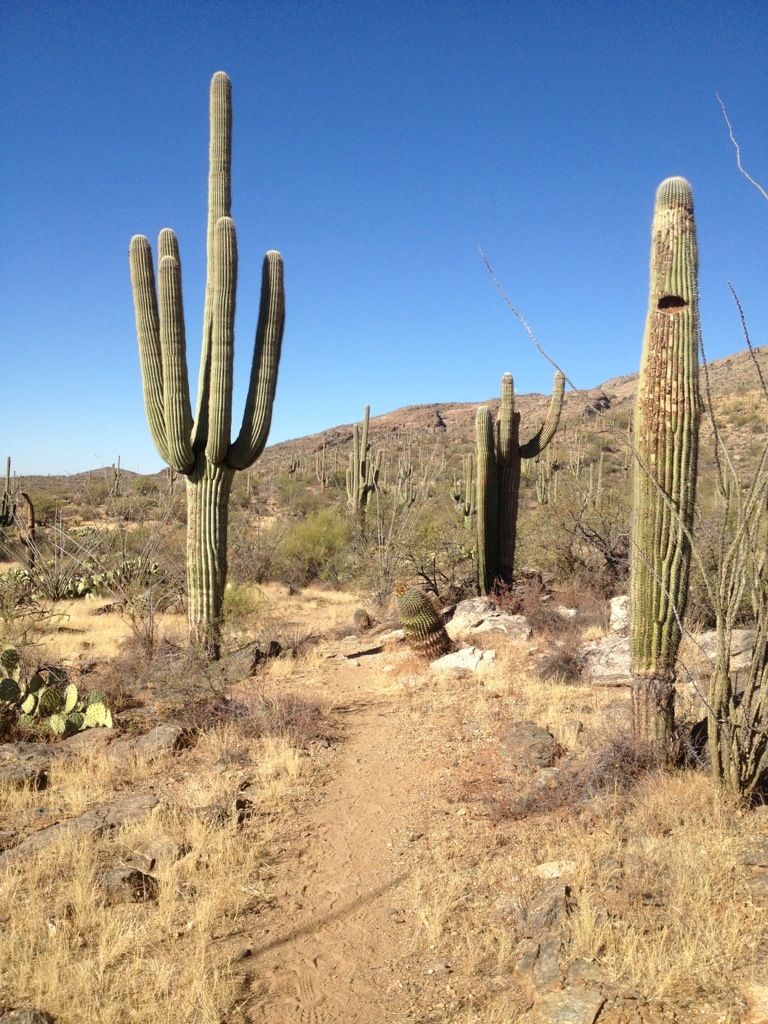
(316, 548)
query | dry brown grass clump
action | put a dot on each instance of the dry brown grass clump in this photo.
(65, 947)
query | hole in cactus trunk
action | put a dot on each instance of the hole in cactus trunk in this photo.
(671, 304)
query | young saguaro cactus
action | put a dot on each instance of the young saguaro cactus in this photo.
(667, 417)
(498, 479)
(201, 450)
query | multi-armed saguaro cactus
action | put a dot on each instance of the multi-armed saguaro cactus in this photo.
(202, 451)
(362, 474)
(498, 479)
(666, 437)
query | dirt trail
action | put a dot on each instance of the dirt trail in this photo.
(329, 948)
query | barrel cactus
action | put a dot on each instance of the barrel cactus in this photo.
(499, 460)
(201, 450)
(666, 431)
(422, 624)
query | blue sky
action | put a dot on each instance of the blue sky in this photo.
(375, 145)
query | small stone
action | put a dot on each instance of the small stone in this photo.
(155, 853)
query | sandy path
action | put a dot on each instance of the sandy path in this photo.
(329, 948)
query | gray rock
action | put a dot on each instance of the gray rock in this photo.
(619, 614)
(529, 746)
(469, 659)
(757, 853)
(98, 820)
(548, 911)
(163, 739)
(25, 764)
(608, 661)
(481, 615)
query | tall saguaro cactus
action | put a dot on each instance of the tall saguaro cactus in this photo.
(202, 450)
(499, 460)
(666, 432)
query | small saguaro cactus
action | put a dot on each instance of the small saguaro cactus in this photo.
(666, 430)
(498, 479)
(7, 506)
(422, 624)
(362, 474)
(464, 496)
(201, 450)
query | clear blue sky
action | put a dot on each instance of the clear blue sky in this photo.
(375, 144)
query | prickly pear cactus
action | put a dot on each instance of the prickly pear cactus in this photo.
(48, 701)
(422, 625)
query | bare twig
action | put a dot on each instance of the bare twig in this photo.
(522, 319)
(749, 178)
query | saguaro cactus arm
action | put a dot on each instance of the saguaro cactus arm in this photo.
(219, 205)
(544, 436)
(257, 417)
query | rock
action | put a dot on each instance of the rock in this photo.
(98, 820)
(757, 853)
(128, 885)
(153, 855)
(163, 739)
(548, 910)
(608, 661)
(87, 741)
(469, 659)
(619, 615)
(568, 732)
(757, 1004)
(529, 746)
(25, 764)
(569, 1006)
(537, 967)
(481, 615)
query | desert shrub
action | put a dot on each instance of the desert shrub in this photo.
(252, 548)
(440, 552)
(316, 548)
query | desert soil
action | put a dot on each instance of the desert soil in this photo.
(334, 945)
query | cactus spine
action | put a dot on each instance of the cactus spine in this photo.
(498, 479)
(666, 432)
(201, 450)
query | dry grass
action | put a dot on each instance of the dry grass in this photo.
(65, 949)
(663, 902)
